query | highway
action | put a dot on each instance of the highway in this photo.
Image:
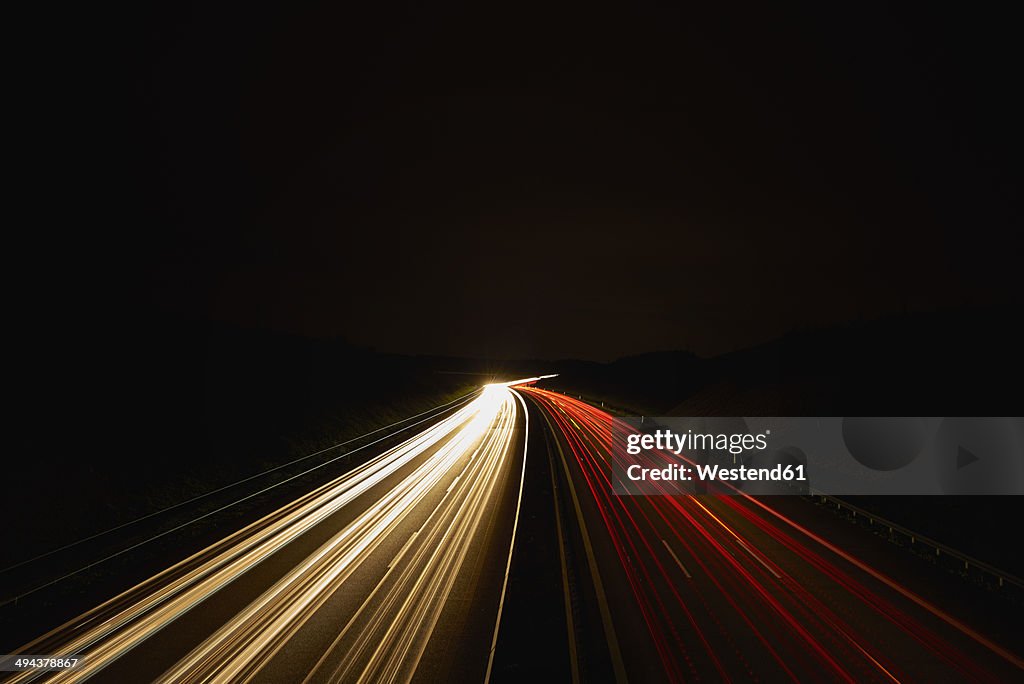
(372, 577)
(715, 587)
(415, 565)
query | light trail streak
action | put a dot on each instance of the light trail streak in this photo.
(398, 618)
(446, 475)
(756, 610)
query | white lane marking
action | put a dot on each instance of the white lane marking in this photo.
(759, 559)
(515, 525)
(405, 547)
(606, 619)
(676, 559)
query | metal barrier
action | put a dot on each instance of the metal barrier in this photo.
(942, 554)
(598, 403)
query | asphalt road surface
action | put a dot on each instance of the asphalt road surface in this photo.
(393, 572)
(416, 566)
(714, 587)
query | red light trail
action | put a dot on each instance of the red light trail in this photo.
(726, 584)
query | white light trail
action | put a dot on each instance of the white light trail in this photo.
(464, 453)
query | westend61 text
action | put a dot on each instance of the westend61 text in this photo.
(715, 473)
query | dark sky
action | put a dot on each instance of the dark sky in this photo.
(521, 180)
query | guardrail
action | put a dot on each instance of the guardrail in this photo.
(940, 553)
(599, 403)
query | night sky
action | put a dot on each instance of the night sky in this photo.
(516, 181)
